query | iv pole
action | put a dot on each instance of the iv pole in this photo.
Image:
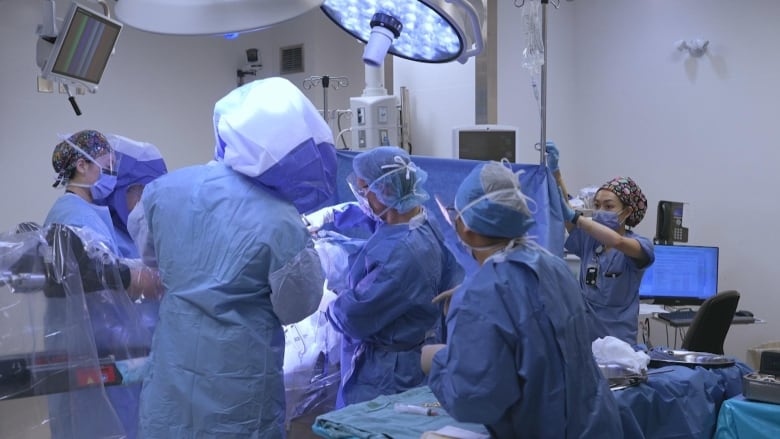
(338, 82)
(543, 98)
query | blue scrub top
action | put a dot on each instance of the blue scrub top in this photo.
(386, 314)
(614, 299)
(518, 357)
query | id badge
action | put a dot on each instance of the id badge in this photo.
(591, 274)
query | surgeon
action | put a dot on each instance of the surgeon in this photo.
(386, 313)
(138, 163)
(518, 358)
(85, 164)
(237, 263)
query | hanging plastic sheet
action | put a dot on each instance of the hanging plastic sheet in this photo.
(67, 325)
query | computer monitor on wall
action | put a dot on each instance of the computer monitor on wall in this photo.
(82, 47)
(486, 142)
(681, 275)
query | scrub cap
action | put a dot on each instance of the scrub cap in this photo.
(392, 177)
(64, 157)
(138, 163)
(269, 131)
(629, 194)
(490, 202)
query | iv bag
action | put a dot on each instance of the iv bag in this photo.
(533, 54)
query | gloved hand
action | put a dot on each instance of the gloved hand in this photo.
(426, 357)
(552, 156)
(568, 212)
(445, 297)
(318, 219)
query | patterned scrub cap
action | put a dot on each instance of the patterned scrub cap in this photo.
(64, 157)
(629, 194)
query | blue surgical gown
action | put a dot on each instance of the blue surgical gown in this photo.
(216, 366)
(614, 300)
(119, 327)
(518, 357)
(386, 314)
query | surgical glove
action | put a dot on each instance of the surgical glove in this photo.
(426, 358)
(318, 219)
(145, 282)
(552, 156)
(445, 297)
(566, 210)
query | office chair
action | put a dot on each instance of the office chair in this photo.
(711, 323)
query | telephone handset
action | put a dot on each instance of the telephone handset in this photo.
(669, 228)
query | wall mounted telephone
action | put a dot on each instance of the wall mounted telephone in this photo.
(668, 227)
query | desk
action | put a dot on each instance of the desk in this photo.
(743, 419)
(675, 402)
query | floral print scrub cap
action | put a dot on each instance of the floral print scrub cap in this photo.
(629, 194)
(64, 157)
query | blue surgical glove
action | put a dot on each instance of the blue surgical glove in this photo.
(568, 212)
(552, 156)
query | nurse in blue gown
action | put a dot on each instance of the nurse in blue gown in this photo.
(385, 313)
(518, 358)
(85, 164)
(613, 258)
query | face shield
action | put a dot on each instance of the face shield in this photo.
(110, 162)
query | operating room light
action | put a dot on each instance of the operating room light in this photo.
(435, 31)
(208, 17)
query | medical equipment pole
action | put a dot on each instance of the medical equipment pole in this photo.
(543, 99)
(338, 82)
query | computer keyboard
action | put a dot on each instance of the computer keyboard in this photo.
(685, 316)
(678, 317)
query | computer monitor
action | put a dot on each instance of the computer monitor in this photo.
(486, 142)
(681, 275)
(82, 48)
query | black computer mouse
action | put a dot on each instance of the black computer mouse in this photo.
(743, 313)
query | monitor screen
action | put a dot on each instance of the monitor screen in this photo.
(83, 46)
(486, 142)
(681, 275)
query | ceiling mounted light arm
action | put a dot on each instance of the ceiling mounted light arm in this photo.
(384, 29)
(434, 31)
(476, 30)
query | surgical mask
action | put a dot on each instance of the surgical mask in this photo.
(366, 208)
(608, 218)
(361, 195)
(100, 189)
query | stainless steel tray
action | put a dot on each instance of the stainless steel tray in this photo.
(761, 387)
(688, 358)
(619, 377)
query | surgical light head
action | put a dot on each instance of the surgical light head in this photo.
(435, 31)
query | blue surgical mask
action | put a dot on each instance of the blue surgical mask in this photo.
(103, 187)
(608, 218)
(366, 208)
